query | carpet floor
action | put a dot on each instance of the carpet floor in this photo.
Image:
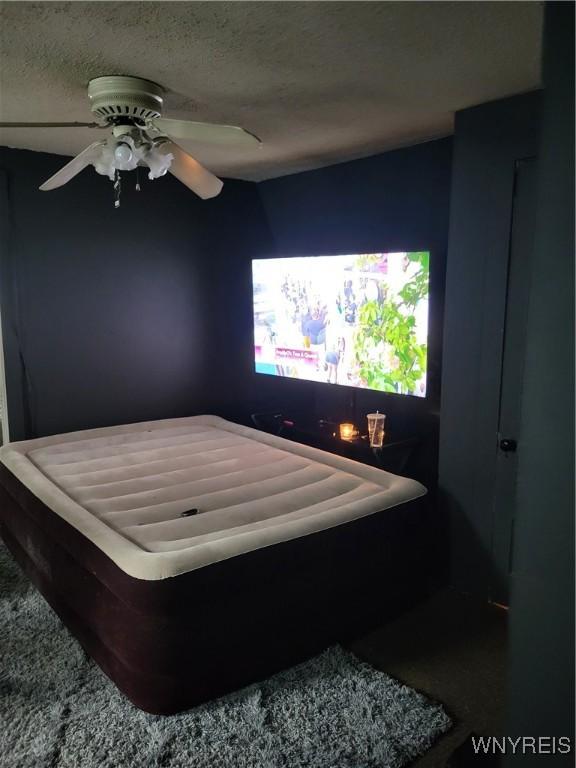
(453, 648)
(58, 710)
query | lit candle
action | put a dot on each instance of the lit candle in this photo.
(347, 431)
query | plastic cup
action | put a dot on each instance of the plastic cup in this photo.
(376, 429)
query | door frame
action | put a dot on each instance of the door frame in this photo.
(521, 243)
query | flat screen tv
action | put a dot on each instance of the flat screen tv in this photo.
(359, 320)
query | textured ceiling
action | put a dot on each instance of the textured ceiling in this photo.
(319, 82)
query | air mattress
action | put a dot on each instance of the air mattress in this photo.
(192, 556)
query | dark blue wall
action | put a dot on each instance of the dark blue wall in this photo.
(102, 309)
(541, 700)
(395, 201)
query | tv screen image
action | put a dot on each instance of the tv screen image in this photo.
(359, 320)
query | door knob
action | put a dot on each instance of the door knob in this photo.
(508, 445)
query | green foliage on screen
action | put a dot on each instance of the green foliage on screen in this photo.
(387, 351)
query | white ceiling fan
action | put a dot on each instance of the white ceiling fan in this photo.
(131, 109)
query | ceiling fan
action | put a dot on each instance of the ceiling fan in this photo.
(131, 109)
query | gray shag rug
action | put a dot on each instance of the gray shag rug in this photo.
(58, 710)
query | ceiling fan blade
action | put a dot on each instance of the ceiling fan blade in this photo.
(191, 173)
(207, 132)
(74, 167)
(52, 125)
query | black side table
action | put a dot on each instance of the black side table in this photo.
(394, 456)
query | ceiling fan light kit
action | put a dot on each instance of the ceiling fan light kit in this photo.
(131, 108)
(127, 153)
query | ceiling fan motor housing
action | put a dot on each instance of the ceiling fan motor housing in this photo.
(118, 96)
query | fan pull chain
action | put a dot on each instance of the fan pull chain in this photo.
(137, 179)
(117, 189)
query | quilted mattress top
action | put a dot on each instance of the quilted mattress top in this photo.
(166, 497)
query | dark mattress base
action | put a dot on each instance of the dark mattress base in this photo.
(171, 644)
